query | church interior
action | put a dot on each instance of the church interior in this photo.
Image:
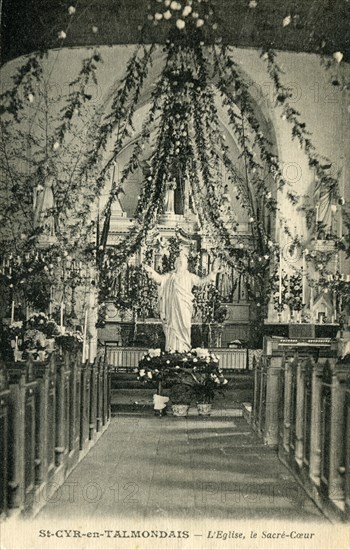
(136, 137)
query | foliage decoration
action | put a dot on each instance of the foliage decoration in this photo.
(79, 146)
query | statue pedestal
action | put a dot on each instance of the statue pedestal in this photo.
(170, 219)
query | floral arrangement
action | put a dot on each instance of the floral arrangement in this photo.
(34, 340)
(198, 370)
(71, 341)
(156, 364)
(41, 322)
(295, 299)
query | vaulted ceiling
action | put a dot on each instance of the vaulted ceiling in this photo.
(316, 25)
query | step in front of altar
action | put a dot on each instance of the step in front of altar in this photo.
(139, 399)
(128, 380)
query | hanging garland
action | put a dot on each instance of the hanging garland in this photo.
(188, 136)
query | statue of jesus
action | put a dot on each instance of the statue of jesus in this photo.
(176, 302)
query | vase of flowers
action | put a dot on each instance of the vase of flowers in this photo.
(39, 336)
(207, 383)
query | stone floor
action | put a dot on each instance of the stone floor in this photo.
(180, 468)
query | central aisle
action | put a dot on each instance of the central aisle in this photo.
(181, 468)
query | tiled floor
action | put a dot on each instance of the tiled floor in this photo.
(177, 467)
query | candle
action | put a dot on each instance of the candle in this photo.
(50, 304)
(304, 280)
(16, 343)
(84, 339)
(62, 308)
(312, 302)
(13, 311)
(280, 280)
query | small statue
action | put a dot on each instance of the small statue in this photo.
(169, 202)
(44, 204)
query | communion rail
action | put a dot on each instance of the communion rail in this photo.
(52, 413)
(302, 406)
(120, 358)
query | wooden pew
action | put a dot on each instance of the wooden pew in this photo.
(49, 419)
(85, 406)
(23, 400)
(4, 426)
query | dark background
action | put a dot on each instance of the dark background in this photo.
(318, 25)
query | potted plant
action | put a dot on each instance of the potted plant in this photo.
(181, 397)
(207, 382)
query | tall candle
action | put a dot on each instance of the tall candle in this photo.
(304, 280)
(12, 311)
(62, 307)
(312, 302)
(280, 280)
(84, 339)
(50, 304)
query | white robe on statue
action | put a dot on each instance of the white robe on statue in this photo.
(175, 308)
(176, 305)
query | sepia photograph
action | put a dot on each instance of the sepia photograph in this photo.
(175, 274)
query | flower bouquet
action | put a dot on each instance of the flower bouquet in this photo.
(207, 382)
(190, 374)
(71, 340)
(42, 323)
(40, 330)
(159, 366)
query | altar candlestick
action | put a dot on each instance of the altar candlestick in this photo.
(304, 280)
(12, 311)
(311, 302)
(51, 300)
(61, 320)
(84, 338)
(280, 280)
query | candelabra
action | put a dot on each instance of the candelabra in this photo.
(74, 274)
